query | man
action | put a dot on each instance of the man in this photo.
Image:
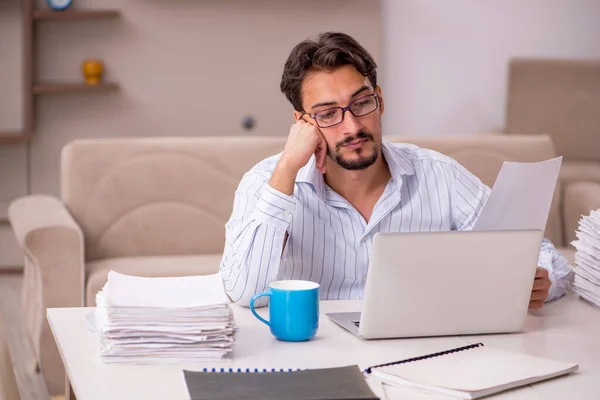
(311, 211)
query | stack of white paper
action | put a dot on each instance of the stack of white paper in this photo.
(164, 320)
(587, 258)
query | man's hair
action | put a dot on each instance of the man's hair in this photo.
(330, 51)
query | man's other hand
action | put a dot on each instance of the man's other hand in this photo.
(541, 286)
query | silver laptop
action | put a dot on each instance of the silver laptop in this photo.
(446, 283)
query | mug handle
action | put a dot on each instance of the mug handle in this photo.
(254, 298)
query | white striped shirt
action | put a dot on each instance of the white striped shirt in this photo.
(329, 241)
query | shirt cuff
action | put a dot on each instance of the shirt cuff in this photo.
(275, 208)
(545, 261)
(552, 290)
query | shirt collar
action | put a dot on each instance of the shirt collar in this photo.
(310, 174)
(397, 161)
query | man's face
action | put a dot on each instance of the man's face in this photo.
(355, 143)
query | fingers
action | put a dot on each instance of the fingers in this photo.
(542, 281)
(536, 304)
(540, 289)
(541, 284)
(307, 120)
(541, 272)
(538, 295)
(306, 130)
(301, 122)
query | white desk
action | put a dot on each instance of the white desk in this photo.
(567, 330)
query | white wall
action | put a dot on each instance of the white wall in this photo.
(445, 62)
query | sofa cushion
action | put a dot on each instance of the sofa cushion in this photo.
(578, 171)
(156, 196)
(558, 97)
(97, 271)
(172, 196)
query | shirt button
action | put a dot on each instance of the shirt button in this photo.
(286, 212)
(363, 239)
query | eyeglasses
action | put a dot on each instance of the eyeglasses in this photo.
(335, 115)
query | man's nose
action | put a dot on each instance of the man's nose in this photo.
(351, 125)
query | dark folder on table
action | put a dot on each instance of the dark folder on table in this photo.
(343, 383)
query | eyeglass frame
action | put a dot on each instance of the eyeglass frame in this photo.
(344, 109)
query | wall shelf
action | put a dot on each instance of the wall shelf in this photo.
(65, 88)
(14, 136)
(30, 87)
(73, 15)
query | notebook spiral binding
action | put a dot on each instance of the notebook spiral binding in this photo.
(251, 370)
(441, 353)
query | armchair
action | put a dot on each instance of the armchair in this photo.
(561, 98)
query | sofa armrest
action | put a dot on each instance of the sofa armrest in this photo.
(52, 243)
(54, 272)
(579, 199)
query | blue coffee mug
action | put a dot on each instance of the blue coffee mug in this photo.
(293, 309)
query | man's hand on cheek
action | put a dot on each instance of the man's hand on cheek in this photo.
(304, 140)
(321, 149)
(541, 286)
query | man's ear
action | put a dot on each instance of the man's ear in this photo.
(380, 95)
(299, 115)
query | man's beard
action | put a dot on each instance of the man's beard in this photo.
(357, 164)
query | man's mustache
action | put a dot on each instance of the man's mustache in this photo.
(359, 135)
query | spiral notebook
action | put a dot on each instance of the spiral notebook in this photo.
(342, 383)
(470, 372)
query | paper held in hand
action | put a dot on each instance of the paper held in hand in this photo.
(521, 196)
(164, 320)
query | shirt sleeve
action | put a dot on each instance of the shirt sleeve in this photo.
(560, 270)
(469, 196)
(254, 238)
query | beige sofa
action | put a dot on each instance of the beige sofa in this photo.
(561, 98)
(158, 206)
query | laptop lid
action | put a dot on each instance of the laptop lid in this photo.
(449, 283)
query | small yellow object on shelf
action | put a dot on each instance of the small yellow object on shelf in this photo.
(92, 71)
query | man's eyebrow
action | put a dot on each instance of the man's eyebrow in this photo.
(324, 103)
(359, 91)
(333, 103)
